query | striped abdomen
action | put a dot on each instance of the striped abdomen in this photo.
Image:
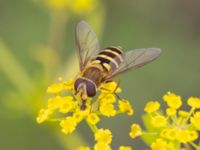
(110, 58)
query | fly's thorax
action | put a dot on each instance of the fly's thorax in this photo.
(85, 87)
(94, 72)
(110, 58)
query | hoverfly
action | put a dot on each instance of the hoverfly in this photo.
(100, 66)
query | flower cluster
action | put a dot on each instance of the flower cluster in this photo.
(75, 6)
(173, 130)
(64, 106)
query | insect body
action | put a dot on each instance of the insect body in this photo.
(97, 67)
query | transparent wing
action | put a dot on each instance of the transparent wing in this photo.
(86, 43)
(136, 58)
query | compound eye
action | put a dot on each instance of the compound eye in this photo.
(77, 83)
(91, 89)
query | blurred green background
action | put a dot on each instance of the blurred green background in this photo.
(37, 46)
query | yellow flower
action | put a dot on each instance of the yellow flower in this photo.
(55, 88)
(110, 87)
(57, 4)
(93, 118)
(172, 100)
(107, 110)
(54, 102)
(79, 115)
(68, 125)
(43, 115)
(83, 148)
(152, 107)
(170, 134)
(195, 120)
(135, 131)
(193, 135)
(194, 102)
(103, 136)
(159, 144)
(171, 146)
(125, 106)
(69, 85)
(107, 98)
(83, 6)
(102, 146)
(183, 113)
(171, 111)
(158, 121)
(67, 104)
(125, 148)
(185, 136)
(181, 135)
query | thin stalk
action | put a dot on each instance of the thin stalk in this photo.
(13, 70)
(92, 127)
(195, 146)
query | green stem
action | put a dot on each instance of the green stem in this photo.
(58, 22)
(92, 127)
(14, 71)
(177, 145)
(188, 117)
(72, 141)
(195, 146)
(55, 119)
(149, 133)
(57, 29)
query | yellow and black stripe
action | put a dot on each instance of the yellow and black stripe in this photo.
(110, 58)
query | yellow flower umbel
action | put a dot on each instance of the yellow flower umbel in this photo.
(75, 6)
(173, 130)
(63, 106)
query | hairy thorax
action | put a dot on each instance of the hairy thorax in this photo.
(94, 74)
